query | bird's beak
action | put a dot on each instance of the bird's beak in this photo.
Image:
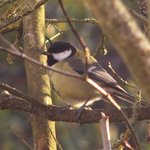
(45, 53)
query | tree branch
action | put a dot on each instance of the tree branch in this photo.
(121, 29)
(86, 50)
(18, 10)
(51, 112)
(38, 83)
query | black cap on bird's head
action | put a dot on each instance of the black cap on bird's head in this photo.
(59, 51)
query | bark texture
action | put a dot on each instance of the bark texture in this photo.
(123, 32)
(37, 78)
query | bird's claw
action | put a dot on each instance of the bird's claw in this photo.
(80, 110)
(62, 109)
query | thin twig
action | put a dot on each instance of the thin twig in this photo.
(104, 126)
(16, 52)
(17, 93)
(137, 15)
(71, 25)
(22, 55)
(86, 50)
(116, 106)
(101, 46)
(22, 13)
(148, 132)
(21, 139)
(86, 20)
(5, 2)
(55, 139)
(117, 75)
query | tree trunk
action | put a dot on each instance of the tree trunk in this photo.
(37, 78)
(124, 33)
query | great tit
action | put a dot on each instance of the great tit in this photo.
(66, 57)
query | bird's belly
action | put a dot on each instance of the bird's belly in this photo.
(72, 90)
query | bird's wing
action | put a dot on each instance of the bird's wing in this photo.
(104, 79)
(96, 73)
(101, 77)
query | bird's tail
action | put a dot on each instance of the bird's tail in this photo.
(128, 98)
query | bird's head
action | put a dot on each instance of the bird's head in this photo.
(59, 51)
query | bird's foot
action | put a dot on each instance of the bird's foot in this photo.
(80, 110)
(62, 109)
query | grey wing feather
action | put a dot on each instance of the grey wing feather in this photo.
(105, 80)
(101, 76)
(95, 72)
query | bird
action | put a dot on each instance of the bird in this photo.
(66, 57)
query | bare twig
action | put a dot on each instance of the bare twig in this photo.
(22, 55)
(16, 92)
(58, 144)
(7, 21)
(116, 106)
(137, 15)
(11, 27)
(3, 3)
(17, 24)
(71, 25)
(104, 124)
(101, 47)
(86, 50)
(125, 138)
(15, 52)
(86, 20)
(117, 75)
(148, 132)
(122, 144)
(21, 139)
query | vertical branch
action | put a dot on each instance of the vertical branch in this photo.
(148, 14)
(86, 50)
(126, 37)
(37, 78)
(118, 108)
(71, 25)
(104, 125)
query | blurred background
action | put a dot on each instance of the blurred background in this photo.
(15, 125)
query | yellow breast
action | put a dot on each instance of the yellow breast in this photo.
(72, 90)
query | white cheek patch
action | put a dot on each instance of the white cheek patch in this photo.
(62, 55)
